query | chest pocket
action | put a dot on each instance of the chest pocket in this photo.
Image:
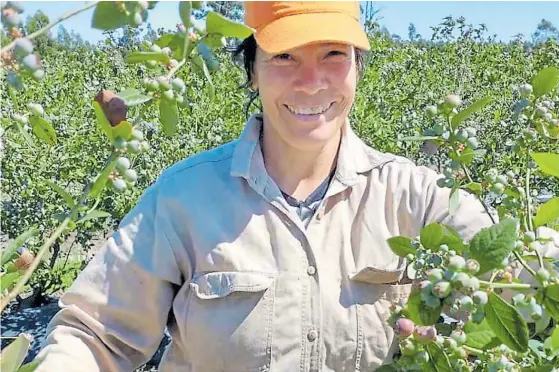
(374, 290)
(229, 321)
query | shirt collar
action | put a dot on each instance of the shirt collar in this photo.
(354, 156)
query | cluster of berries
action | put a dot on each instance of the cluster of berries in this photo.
(124, 176)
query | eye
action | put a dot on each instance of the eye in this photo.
(283, 56)
(336, 53)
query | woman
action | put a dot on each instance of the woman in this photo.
(267, 253)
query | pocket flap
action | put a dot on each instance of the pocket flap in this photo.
(222, 283)
(375, 275)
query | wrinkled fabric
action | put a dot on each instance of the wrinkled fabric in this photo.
(213, 251)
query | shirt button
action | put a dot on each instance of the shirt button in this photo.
(311, 336)
(311, 270)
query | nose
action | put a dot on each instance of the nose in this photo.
(310, 79)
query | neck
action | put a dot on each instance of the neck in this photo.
(298, 172)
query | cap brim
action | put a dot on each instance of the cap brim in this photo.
(298, 30)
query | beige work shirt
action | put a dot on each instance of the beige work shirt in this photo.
(213, 251)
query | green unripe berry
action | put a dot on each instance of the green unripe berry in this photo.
(525, 90)
(122, 164)
(410, 257)
(460, 280)
(478, 316)
(119, 143)
(144, 146)
(155, 48)
(472, 266)
(38, 74)
(502, 179)
(443, 248)
(466, 304)
(529, 237)
(23, 46)
(431, 301)
(542, 274)
(450, 343)
(498, 188)
(471, 131)
(472, 142)
(541, 111)
(480, 297)
(441, 289)
(461, 135)
(168, 95)
(455, 164)
(133, 146)
(536, 311)
(456, 263)
(422, 357)
(459, 336)
(138, 19)
(431, 111)
(452, 100)
(164, 84)
(31, 62)
(119, 184)
(130, 175)
(491, 175)
(407, 347)
(36, 109)
(178, 85)
(152, 85)
(448, 172)
(137, 134)
(438, 129)
(450, 275)
(434, 275)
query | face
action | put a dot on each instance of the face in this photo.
(306, 93)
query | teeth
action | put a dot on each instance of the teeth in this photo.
(308, 110)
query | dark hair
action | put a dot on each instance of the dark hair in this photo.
(247, 48)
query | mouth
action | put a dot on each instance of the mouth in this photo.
(309, 113)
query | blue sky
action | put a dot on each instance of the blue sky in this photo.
(503, 18)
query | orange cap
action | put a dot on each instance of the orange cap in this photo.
(283, 25)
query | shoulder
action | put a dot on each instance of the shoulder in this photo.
(399, 166)
(204, 163)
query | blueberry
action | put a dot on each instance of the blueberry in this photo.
(130, 175)
(133, 146)
(38, 74)
(441, 289)
(36, 109)
(122, 164)
(168, 95)
(178, 85)
(529, 237)
(137, 134)
(452, 100)
(119, 143)
(431, 111)
(466, 303)
(480, 297)
(459, 336)
(456, 263)
(23, 46)
(31, 62)
(163, 82)
(119, 184)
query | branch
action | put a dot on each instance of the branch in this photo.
(50, 25)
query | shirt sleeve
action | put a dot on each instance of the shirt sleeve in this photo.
(114, 315)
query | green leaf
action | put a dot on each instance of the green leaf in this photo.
(555, 338)
(136, 57)
(548, 162)
(492, 244)
(466, 156)
(102, 121)
(542, 323)
(469, 111)
(65, 195)
(454, 199)
(474, 187)
(547, 213)
(545, 81)
(431, 236)
(102, 178)
(123, 129)
(30, 367)
(438, 360)
(480, 336)
(18, 242)
(7, 280)
(43, 129)
(452, 239)
(14, 354)
(93, 215)
(401, 245)
(133, 97)
(386, 368)
(168, 116)
(108, 16)
(209, 79)
(419, 312)
(185, 11)
(507, 323)
(549, 296)
(217, 24)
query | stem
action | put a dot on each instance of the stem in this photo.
(51, 25)
(528, 199)
(478, 196)
(505, 285)
(473, 350)
(524, 263)
(176, 68)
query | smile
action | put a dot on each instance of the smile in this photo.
(309, 111)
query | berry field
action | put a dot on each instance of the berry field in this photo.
(86, 129)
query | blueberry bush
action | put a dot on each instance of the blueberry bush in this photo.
(86, 130)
